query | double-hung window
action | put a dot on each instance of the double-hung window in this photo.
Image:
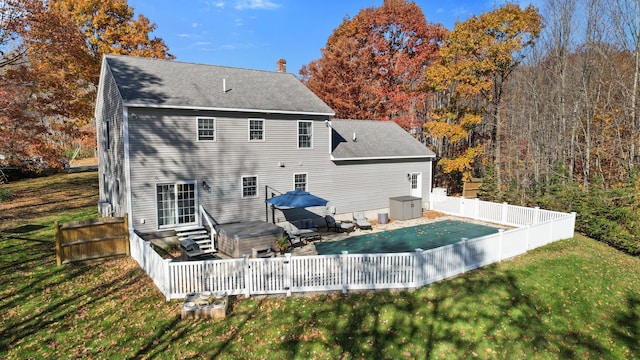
(249, 186)
(256, 129)
(305, 134)
(206, 129)
(300, 181)
(176, 203)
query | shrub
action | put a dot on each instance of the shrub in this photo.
(5, 194)
(608, 215)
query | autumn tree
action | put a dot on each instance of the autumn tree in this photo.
(475, 61)
(63, 42)
(11, 12)
(372, 65)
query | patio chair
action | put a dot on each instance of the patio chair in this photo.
(338, 226)
(361, 221)
(298, 237)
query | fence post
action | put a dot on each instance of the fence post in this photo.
(168, 290)
(462, 206)
(58, 244)
(343, 265)
(500, 233)
(536, 215)
(463, 243)
(247, 276)
(125, 230)
(419, 270)
(504, 212)
(477, 209)
(287, 273)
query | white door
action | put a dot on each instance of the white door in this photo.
(416, 185)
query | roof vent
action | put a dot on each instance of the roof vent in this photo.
(355, 138)
(224, 86)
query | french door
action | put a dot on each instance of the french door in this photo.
(176, 204)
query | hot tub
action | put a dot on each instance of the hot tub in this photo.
(239, 238)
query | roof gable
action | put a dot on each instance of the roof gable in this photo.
(368, 139)
(172, 84)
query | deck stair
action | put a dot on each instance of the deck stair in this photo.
(199, 234)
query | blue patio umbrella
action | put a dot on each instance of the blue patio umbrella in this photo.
(297, 199)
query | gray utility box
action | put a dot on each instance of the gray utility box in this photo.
(405, 207)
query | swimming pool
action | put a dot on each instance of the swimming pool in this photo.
(426, 236)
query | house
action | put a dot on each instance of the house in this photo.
(175, 138)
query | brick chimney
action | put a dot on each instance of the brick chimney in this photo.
(281, 65)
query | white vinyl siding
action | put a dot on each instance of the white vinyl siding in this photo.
(206, 129)
(250, 186)
(305, 135)
(256, 129)
(300, 181)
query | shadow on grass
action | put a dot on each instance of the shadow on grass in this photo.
(25, 229)
(628, 329)
(60, 308)
(430, 324)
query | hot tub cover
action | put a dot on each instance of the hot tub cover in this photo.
(249, 229)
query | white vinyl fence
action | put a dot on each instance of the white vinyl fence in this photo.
(345, 272)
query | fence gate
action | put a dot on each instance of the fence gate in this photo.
(268, 275)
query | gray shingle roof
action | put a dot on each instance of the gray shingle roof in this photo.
(374, 140)
(173, 84)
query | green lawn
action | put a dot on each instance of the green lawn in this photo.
(576, 298)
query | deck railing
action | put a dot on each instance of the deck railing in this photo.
(346, 272)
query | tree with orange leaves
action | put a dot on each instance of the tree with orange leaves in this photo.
(63, 42)
(371, 67)
(475, 61)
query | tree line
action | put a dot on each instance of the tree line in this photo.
(542, 104)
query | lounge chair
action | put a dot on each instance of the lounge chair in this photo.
(361, 221)
(338, 226)
(298, 237)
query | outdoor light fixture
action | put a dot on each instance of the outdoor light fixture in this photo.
(206, 186)
(409, 177)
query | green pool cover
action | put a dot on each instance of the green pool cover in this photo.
(427, 236)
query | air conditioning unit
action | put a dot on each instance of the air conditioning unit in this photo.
(104, 208)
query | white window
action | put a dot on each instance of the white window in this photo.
(300, 181)
(176, 204)
(304, 134)
(256, 130)
(107, 135)
(206, 129)
(249, 186)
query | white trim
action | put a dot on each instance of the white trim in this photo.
(333, 158)
(210, 108)
(298, 135)
(306, 180)
(242, 187)
(264, 132)
(127, 164)
(215, 128)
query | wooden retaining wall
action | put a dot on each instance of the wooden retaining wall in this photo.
(92, 239)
